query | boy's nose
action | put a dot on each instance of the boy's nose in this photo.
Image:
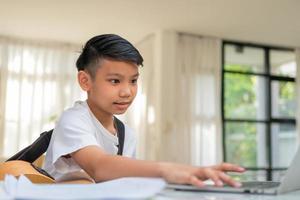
(125, 92)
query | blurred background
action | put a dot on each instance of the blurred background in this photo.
(219, 82)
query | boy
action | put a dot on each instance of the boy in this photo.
(84, 142)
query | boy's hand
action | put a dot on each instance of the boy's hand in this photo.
(184, 174)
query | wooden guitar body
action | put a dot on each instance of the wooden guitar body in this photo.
(33, 173)
(19, 167)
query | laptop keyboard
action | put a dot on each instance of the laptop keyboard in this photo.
(260, 184)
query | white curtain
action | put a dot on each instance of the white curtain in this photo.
(179, 99)
(297, 52)
(199, 81)
(38, 80)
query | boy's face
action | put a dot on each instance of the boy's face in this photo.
(113, 88)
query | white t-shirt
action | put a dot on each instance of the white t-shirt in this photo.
(78, 128)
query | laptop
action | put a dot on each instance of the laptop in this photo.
(289, 183)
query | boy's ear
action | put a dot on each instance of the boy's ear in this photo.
(84, 80)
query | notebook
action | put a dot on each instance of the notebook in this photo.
(289, 183)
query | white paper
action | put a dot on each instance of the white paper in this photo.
(123, 188)
(10, 185)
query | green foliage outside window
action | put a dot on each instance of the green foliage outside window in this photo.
(240, 103)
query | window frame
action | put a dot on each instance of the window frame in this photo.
(269, 119)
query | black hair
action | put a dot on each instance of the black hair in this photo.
(107, 46)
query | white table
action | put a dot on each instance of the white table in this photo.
(171, 194)
(3, 195)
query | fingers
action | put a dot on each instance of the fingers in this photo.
(184, 174)
(218, 177)
(227, 179)
(193, 180)
(214, 176)
(229, 167)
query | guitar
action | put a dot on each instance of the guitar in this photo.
(32, 172)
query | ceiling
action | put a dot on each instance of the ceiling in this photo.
(272, 22)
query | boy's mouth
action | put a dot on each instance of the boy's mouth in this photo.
(122, 105)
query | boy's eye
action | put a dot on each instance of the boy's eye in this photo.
(134, 81)
(114, 81)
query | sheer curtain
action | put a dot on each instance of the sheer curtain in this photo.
(179, 100)
(199, 63)
(297, 52)
(38, 80)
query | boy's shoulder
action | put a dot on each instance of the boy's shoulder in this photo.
(128, 128)
(129, 132)
(79, 111)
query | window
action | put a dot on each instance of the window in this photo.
(258, 108)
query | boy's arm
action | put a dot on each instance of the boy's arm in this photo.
(101, 167)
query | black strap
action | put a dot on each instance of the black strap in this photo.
(35, 150)
(121, 134)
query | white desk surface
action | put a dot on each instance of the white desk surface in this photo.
(169, 194)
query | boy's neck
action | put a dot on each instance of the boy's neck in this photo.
(105, 119)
